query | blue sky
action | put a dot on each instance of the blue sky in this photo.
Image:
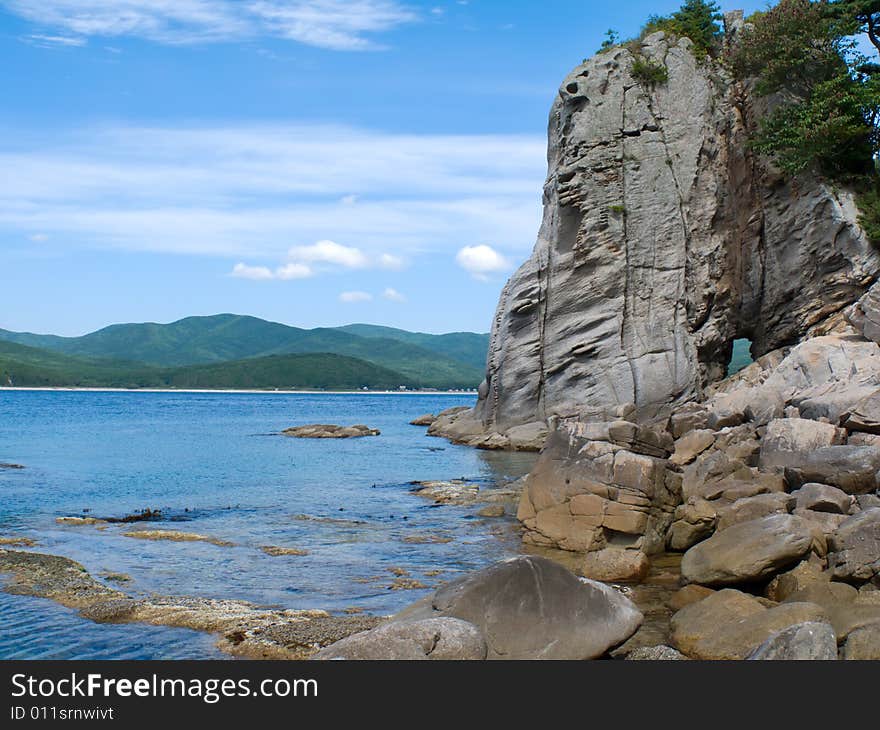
(314, 162)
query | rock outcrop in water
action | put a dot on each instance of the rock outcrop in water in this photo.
(663, 240)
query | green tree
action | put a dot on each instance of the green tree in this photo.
(612, 38)
(862, 15)
(792, 47)
(696, 19)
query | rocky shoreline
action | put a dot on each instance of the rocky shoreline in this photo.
(244, 629)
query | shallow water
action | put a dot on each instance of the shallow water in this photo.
(210, 463)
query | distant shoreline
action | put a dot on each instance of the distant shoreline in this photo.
(65, 389)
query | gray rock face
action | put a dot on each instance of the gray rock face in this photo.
(432, 638)
(662, 240)
(533, 608)
(748, 551)
(854, 548)
(810, 640)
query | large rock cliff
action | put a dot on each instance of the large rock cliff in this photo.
(663, 239)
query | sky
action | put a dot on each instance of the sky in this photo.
(312, 162)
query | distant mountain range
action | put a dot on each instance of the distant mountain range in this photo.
(235, 351)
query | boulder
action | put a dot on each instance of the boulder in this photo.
(694, 521)
(805, 573)
(854, 548)
(864, 315)
(732, 625)
(329, 431)
(424, 420)
(788, 439)
(615, 564)
(822, 498)
(747, 552)
(689, 417)
(854, 469)
(753, 508)
(865, 415)
(691, 445)
(687, 595)
(811, 640)
(532, 608)
(431, 638)
(863, 643)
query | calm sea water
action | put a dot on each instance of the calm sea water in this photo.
(211, 463)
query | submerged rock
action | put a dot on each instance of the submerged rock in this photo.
(175, 536)
(276, 551)
(655, 654)
(329, 431)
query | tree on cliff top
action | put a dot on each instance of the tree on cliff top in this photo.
(696, 19)
(826, 104)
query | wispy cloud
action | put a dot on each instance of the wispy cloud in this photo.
(342, 25)
(392, 295)
(54, 41)
(480, 261)
(263, 195)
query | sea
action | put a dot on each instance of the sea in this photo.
(214, 464)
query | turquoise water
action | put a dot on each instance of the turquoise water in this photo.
(212, 464)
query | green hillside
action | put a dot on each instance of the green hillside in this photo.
(467, 347)
(312, 371)
(441, 361)
(25, 366)
(29, 366)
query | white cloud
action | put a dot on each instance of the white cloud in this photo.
(354, 297)
(264, 273)
(255, 273)
(330, 252)
(392, 295)
(391, 262)
(480, 261)
(39, 237)
(293, 270)
(250, 192)
(343, 25)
